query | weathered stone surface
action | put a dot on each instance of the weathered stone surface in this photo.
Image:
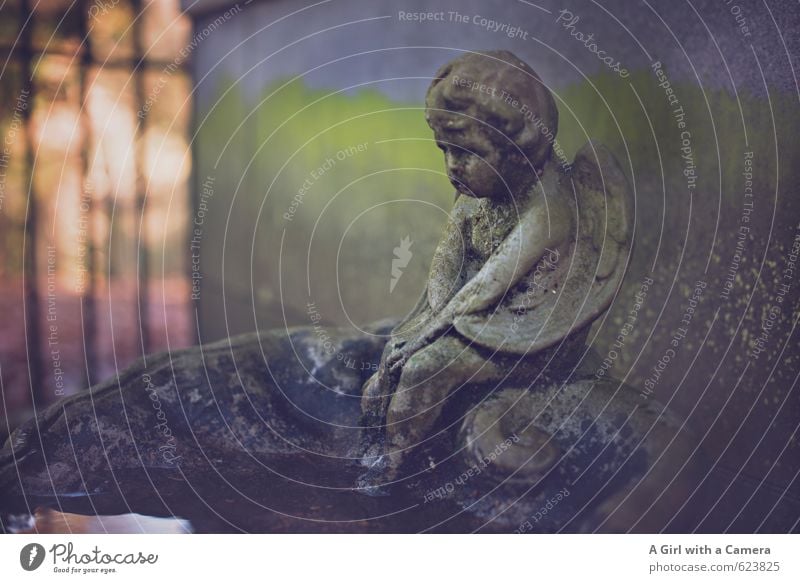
(259, 411)
(266, 439)
(485, 411)
(534, 252)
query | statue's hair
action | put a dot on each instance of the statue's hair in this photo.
(531, 124)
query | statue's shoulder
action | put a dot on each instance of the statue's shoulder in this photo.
(549, 208)
(575, 283)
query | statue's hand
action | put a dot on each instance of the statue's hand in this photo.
(395, 354)
(402, 351)
(400, 356)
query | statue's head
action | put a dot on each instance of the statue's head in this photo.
(495, 121)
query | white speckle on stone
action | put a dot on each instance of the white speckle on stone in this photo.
(318, 357)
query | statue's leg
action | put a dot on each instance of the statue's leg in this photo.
(375, 399)
(377, 392)
(427, 379)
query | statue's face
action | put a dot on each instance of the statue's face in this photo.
(475, 167)
(480, 168)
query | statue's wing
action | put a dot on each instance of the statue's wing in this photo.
(607, 203)
(564, 293)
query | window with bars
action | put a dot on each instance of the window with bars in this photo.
(94, 191)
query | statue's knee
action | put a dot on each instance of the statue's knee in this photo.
(414, 372)
(405, 425)
(401, 407)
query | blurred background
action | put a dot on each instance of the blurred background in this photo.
(94, 194)
(179, 172)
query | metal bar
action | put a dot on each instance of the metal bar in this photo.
(142, 264)
(89, 291)
(30, 240)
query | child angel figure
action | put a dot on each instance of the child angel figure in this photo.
(533, 252)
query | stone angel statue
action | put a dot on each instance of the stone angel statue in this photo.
(490, 371)
(534, 251)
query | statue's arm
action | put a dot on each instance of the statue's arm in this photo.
(540, 228)
(446, 273)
